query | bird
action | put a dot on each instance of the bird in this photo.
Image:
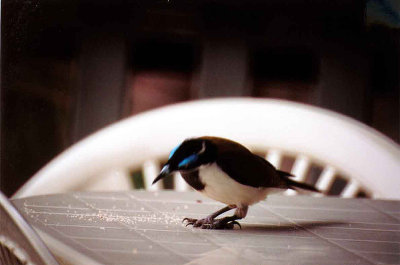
(228, 172)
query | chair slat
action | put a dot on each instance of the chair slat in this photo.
(300, 167)
(112, 180)
(351, 190)
(179, 183)
(299, 171)
(326, 179)
(151, 168)
(274, 157)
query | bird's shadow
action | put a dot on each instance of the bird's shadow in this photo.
(289, 227)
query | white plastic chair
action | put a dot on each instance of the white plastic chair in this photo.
(340, 145)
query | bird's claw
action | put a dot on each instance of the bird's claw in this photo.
(190, 221)
(235, 223)
(207, 223)
(198, 222)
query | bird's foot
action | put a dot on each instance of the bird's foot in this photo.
(209, 223)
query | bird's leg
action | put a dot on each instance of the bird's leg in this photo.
(229, 222)
(209, 219)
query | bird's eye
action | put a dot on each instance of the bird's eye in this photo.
(188, 160)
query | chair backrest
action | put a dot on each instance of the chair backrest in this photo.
(339, 145)
(19, 244)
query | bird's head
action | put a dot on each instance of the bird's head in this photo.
(189, 155)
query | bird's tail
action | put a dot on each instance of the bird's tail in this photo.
(292, 184)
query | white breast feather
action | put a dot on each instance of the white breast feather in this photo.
(219, 186)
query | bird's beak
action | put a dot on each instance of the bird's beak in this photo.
(165, 171)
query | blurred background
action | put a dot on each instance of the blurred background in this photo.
(72, 67)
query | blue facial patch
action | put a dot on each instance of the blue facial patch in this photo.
(188, 160)
(173, 151)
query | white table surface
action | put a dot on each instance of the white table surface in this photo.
(141, 227)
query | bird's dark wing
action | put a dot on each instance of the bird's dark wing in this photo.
(249, 169)
(242, 165)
